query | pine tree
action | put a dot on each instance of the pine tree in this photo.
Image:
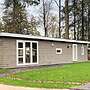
(1, 26)
(15, 18)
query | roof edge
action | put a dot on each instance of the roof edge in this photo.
(41, 38)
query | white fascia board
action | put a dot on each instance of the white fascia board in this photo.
(42, 38)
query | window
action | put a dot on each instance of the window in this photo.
(82, 50)
(58, 51)
(20, 60)
(88, 51)
(34, 52)
(27, 52)
(88, 45)
(20, 52)
(20, 45)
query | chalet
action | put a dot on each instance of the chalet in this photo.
(17, 50)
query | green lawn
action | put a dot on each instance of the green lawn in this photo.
(66, 76)
(2, 71)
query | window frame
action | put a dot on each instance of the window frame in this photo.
(17, 61)
(24, 41)
(60, 50)
(32, 53)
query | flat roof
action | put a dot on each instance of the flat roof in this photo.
(12, 35)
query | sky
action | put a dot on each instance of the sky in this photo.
(33, 10)
(1, 8)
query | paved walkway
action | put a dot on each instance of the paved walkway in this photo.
(8, 87)
(85, 87)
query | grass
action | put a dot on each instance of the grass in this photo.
(26, 83)
(66, 76)
(4, 70)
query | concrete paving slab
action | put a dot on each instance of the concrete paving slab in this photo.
(83, 87)
(8, 87)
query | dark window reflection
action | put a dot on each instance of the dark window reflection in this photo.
(27, 52)
(20, 45)
(34, 52)
(20, 60)
(20, 52)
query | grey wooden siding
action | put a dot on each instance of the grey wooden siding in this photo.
(82, 57)
(8, 52)
(47, 53)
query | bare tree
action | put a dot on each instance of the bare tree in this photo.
(46, 14)
(44, 18)
(53, 27)
(82, 38)
(66, 20)
(59, 5)
(74, 4)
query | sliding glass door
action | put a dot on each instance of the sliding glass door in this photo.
(27, 52)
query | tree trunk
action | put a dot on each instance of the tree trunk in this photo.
(59, 18)
(82, 37)
(88, 22)
(74, 4)
(44, 19)
(66, 20)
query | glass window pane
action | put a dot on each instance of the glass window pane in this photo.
(34, 52)
(20, 60)
(20, 52)
(20, 45)
(27, 52)
(58, 51)
(34, 45)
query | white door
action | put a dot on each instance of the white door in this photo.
(74, 51)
